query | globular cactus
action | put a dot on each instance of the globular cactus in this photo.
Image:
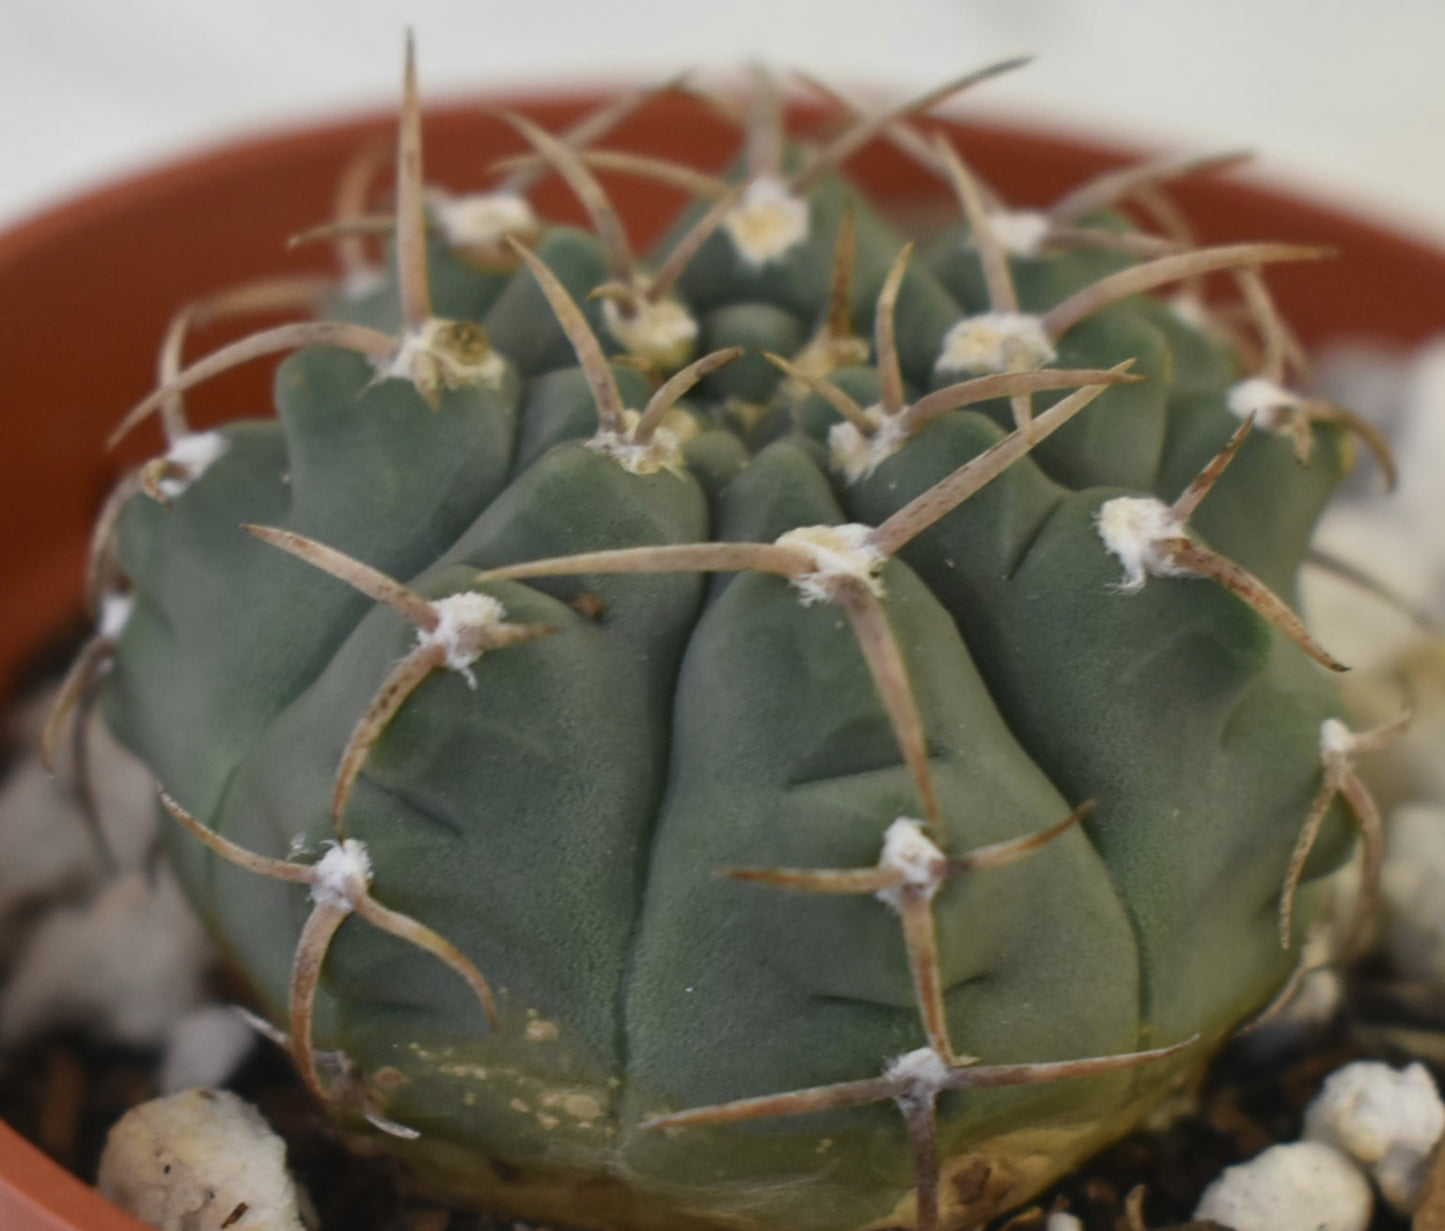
(838, 709)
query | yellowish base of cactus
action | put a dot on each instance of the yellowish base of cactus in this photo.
(973, 1187)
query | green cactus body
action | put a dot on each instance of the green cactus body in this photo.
(562, 809)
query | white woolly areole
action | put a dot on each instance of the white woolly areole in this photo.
(1133, 527)
(115, 611)
(342, 875)
(1303, 1186)
(662, 452)
(996, 342)
(856, 455)
(194, 453)
(825, 353)
(662, 331)
(908, 849)
(459, 617)
(1192, 310)
(1336, 739)
(1020, 232)
(1386, 1119)
(446, 354)
(768, 221)
(924, 1071)
(359, 283)
(482, 219)
(837, 551)
(1270, 403)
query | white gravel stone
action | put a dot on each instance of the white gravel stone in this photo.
(122, 968)
(1061, 1221)
(204, 1048)
(190, 1161)
(1304, 1186)
(1397, 538)
(1422, 445)
(1410, 880)
(1359, 627)
(48, 850)
(1387, 1119)
(1316, 996)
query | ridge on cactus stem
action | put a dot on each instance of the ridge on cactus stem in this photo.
(713, 646)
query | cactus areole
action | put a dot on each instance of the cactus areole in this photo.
(795, 732)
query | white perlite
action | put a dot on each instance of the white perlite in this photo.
(43, 831)
(1387, 1119)
(47, 849)
(343, 875)
(459, 618)
(1421, 496)
(768, 222)
(908, 849)
(837, 551)
(191, 1161)
(1271, 404)
(1133, 527)
(663, 451)
(121, 968)
(193, 454)
(482, 219)
(996, 342)
(204, 1048)
(660, 331)
(1310, 1003)
(1303, 1186)
(1019, 232)
(1398, 539)
(1414, 907)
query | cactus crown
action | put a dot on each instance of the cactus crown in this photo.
(982, 778)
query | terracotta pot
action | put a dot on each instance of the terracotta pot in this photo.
(86, 289)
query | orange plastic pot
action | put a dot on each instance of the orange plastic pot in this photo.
(86, 290)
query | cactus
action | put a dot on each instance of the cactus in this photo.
(831, 715)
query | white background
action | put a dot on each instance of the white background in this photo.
(1344, 99)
